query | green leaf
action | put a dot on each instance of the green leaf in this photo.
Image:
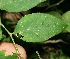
(0, 33)
(39, 27)
(55, 13)
(18, 5)
(0, 30)
(43, 4)
(66, 19)
(6, 39)
(2, 56)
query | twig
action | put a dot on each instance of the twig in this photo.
(54, 4)
(54, 41)
(10, 34)
(38, 55)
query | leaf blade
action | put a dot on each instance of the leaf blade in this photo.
(2, 55)
(0, 33)
(66, 19)
(18, 5)
(38, 27)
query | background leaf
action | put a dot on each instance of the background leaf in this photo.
(18, 5)
(55, 13)
(0, 33)
(2, 56)
(43, 4)
(39, 27)
(66, 19)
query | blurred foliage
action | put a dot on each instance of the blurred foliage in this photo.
(2, 56)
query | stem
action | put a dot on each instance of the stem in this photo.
(54, 4)
(10, 37)
(54, 41)
(38, 55)
(10, 34)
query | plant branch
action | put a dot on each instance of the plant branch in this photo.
(38, 55)
(54, 4)
(10, 34)
(54, 41)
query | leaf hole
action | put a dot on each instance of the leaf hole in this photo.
(19, 35)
